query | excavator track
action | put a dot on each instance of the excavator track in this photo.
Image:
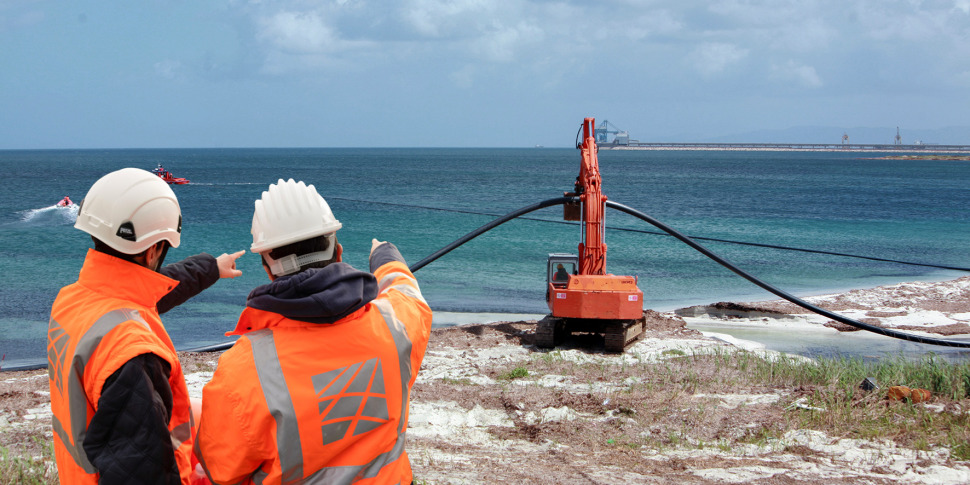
(617, 335)
(549, 332)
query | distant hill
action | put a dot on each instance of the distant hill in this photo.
(954, 135)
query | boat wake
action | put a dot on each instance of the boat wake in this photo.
(52, 215)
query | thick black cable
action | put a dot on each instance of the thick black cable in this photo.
(808, 306)
(690, 242)
(495, 223)
(657, 233)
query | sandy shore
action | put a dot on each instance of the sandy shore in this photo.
(472, 424)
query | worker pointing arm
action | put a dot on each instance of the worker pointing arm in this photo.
(195, 274)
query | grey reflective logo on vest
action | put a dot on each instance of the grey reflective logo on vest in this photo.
(352, 400)
(57, 339)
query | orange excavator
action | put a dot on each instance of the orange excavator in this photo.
(581, 295)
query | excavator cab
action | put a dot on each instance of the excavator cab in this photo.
(559, 267)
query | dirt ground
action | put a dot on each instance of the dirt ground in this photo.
(582, 415)
(490, 407)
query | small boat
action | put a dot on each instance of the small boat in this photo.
(65, 202)
(168, 177)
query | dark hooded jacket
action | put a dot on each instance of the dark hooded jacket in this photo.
(317, 295)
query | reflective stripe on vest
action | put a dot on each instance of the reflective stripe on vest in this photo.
(410, 289)
(77, 400)
(280, 404)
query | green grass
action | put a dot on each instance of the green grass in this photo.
(464, 381)
(517, 373)
(16, 469)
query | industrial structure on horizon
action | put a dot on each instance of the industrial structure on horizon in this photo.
(621, 141)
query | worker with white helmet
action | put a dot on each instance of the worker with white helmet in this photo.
(121, 411)
(316, 389)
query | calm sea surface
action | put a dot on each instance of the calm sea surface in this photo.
(423, 199)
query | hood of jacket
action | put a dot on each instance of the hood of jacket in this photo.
(317, 295)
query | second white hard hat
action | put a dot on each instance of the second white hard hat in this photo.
(289, 212)
(130, 210)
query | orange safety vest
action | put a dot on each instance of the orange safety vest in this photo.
(97, 324)
(299, 402)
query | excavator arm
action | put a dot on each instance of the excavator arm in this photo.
(592, 248)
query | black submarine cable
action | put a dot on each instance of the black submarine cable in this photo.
(690, 242)
(487, 227)
(661, 233)
(783, 294)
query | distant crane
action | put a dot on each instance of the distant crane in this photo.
(845, 139)
(898, 140)
(603, 131)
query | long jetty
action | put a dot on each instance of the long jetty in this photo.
(806, 147)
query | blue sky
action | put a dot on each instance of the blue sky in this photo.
(479, 73)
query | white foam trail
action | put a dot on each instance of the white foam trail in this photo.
(52, 214)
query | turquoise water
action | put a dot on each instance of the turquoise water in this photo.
(423, 199)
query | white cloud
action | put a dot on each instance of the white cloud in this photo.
(443, 18)
(310, 40)
(792, 71)
(912, 23)
(713, 58)
(644, 26)
(502, 44)
(299, 32)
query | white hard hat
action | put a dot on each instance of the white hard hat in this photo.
(131, 210)
(290, 212)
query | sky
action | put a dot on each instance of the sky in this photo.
(472, 73)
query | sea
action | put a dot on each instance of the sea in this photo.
(423, 199)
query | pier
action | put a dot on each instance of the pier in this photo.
(788, 147)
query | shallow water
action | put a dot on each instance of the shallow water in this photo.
(829, 343)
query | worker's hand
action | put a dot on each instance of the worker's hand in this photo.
(374, 243)
(227, 264)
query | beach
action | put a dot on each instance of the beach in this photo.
(488, 406)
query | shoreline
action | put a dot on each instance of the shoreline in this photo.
(471, 422)
(919, 306)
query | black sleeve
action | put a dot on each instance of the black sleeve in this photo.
(383, 254)
(128, 439)
(194, 274)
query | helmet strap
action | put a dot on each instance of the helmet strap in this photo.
(292, 263)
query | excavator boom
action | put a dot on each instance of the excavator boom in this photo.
(592, 250)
